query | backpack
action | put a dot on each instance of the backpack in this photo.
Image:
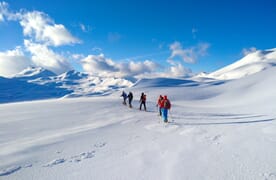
(167, 104)
(144, 98)
(130, 95)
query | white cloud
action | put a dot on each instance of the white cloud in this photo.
(6, 14)
(178, 70)
(85, 28)
(247, 51)
(175, 70)
(13, 62)
(44, 57)
(100, 65)
(38, 26)
(97, 64)
(3, 10)
(77, 56)
(41, 32)
(137, 68)
(188, 55)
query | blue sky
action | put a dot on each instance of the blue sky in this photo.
(124, 37)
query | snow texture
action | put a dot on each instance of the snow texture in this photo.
(218, 129)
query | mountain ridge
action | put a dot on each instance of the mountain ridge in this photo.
(32, 81)
(250, 64)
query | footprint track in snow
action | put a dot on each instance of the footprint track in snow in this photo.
(269, 176)
(58, 161)
(13, 169)
(9, 170)
(82, 156)
(77, 158)
(55, 162)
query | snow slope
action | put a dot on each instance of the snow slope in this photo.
(217, 130)
(250, 64)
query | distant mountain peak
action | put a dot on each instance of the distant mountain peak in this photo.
(73, 75)
(34, 72)
(250, 64)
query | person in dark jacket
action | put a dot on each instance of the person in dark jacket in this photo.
(130, 97)
(143, 101)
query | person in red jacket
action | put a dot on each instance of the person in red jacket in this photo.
(165, 106)
(159, 104)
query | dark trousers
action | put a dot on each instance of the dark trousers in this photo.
(129, 102)
(160, 112)
(143, 103)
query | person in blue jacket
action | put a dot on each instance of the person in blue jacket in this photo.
(124, 95)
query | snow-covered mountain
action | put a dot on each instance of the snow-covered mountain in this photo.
(36, 83)
(34, 72)
(83, 84)
(250, 64)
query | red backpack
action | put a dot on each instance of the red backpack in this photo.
(167, 104)
(143, 98)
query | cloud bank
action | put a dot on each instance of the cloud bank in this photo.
(188, 55)
(100, 65)
(39, 27)
(44, 57)
(13, 61)
(41, 35)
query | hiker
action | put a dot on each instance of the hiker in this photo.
(130, 97)
(124, 95)
(159, 104)
(165, 106)
(143, 101)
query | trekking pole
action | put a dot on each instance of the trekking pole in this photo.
(158, 115)
(171, 116)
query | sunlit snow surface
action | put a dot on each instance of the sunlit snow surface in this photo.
(219, 129)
